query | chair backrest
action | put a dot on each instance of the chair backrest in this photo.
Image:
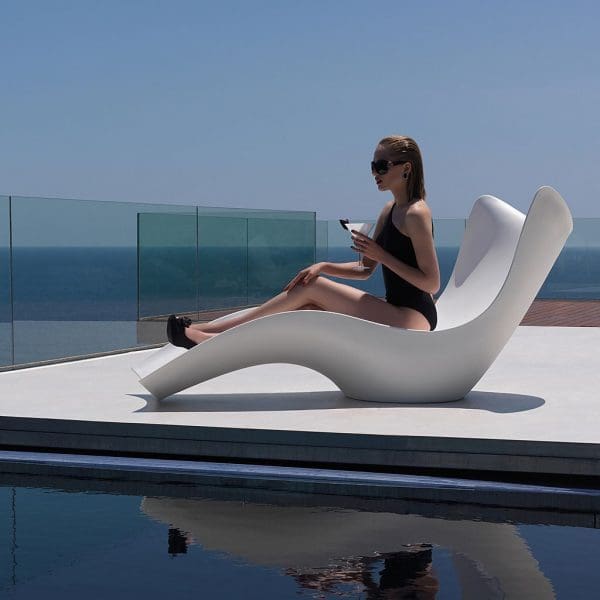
(504, 258)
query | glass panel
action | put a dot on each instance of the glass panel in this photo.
(576, 273)
(168, 269)
(6, 342)
(75, 277)
(321, 243)
(246, 256)
(223, 262)
(277, 249)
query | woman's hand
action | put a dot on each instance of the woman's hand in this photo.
(366, 246)
(305, 276)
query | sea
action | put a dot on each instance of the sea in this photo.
(58, 291)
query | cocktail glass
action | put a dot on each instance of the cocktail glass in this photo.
(363, 228)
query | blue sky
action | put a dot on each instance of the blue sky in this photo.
(279, 105)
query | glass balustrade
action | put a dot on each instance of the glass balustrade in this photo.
(81, 277)
(219, 259)
(322, 243)
(223, 259)
(167, 263)
(576, 272)
(277, 249)
(75, 276)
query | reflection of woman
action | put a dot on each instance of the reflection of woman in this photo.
(319, 546)
(408, 571)
(405, 574)
(402, 243)
(178, 541)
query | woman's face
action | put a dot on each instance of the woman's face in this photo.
(394, 176)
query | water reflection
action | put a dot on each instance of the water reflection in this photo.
(380, 555)
(409, 572)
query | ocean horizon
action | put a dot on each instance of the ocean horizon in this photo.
(98, 288)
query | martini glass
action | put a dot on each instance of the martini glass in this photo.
(363, 228)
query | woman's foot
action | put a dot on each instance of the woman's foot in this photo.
(180, 339)
(174, 324)
(185, 337)
(185, 321)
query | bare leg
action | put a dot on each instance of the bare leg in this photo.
(199, 335)
(208, 325)
(327, 295)
(293, 299)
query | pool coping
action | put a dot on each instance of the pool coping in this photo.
(499, 501)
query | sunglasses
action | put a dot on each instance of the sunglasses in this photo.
(381, 167)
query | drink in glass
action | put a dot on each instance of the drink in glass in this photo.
(363, 228)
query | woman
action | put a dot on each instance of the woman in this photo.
(402, 242)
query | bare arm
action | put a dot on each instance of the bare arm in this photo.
(343, 270)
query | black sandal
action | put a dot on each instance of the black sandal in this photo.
(174, 324)
(180, 339)
(171, 326)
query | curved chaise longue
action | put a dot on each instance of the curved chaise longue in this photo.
(503, 260)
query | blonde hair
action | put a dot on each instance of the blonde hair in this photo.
(403, 147)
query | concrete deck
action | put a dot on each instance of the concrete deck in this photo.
(535, 410)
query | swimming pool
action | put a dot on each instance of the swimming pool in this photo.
(69, 536)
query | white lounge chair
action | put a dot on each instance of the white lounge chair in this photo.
(503, 261)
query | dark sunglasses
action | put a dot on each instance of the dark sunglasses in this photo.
(381, 167)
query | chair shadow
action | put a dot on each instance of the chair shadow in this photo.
(497, 402)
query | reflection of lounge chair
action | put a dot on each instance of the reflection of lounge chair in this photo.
(503, 261)
(492, 560)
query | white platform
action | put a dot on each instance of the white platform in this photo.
(536, 409)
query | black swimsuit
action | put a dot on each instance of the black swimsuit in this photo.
(398, 291)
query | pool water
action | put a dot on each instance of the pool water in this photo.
(63, 543)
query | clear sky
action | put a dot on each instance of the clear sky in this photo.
(279, 104)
